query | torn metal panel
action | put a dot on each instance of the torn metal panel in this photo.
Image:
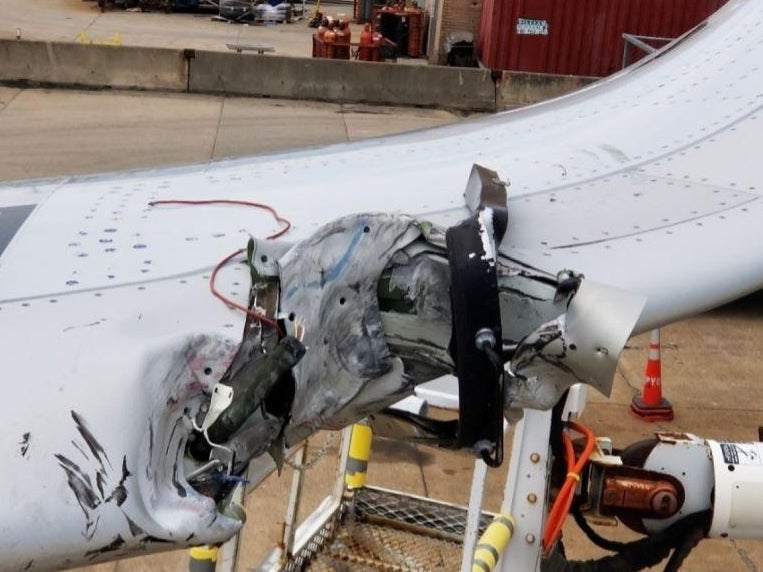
(422, 344)
(582, 345)
(600, 319)
(416, 312)
(420, 274)
(526, 300)
(375, 396)
(329, 284)
(372, 295)
(266, 253)
(371, 298)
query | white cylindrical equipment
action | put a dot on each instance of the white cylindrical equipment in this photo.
(738, 503)
(724, 476)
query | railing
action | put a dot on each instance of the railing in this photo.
(643, 43)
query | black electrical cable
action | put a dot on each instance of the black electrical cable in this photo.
(593, 536)
(559, 463)
(651, 550)
(683, 549)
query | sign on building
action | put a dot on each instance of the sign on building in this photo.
(528, 27)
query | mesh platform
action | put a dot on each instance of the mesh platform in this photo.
(385, 531)
(371, 547)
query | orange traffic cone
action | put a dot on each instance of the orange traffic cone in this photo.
(650, 405)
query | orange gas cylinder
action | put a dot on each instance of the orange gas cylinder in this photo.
(342, 42)
(377, 41)
(339, 34)
(319, 47)
(414, 33)
(365, 51)
(329, 38)
(322, 28)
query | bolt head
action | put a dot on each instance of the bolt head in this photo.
(664, 503)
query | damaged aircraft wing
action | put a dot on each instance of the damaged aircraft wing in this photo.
(629, 204)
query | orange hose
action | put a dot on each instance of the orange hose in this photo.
(563, 500)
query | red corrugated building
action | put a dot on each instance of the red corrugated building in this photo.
(577, 37)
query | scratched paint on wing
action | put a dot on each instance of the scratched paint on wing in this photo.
(82, 487)
(24, 444)
(100, 482)
(149, 539)
(80, 449)
(80, 483)
(111, 547)
(176, 482)
(171, 440)
(135, 530)
(91, 324)
(521, 294)
(90, 440)
(119, 494)
(616, 153)
(336, 270)
(91, 497)
(150, 448)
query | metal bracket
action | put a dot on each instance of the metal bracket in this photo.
(222, 396)
(526, 490)
(476, 342)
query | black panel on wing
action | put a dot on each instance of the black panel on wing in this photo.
(11, 219)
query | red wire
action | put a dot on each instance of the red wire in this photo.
(286, 225)
(563, 500)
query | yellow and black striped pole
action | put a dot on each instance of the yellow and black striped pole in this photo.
(357, 459)
(492, 543)
(203, 559)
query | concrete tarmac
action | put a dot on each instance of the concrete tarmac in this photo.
(711, 363)
(46, 133)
